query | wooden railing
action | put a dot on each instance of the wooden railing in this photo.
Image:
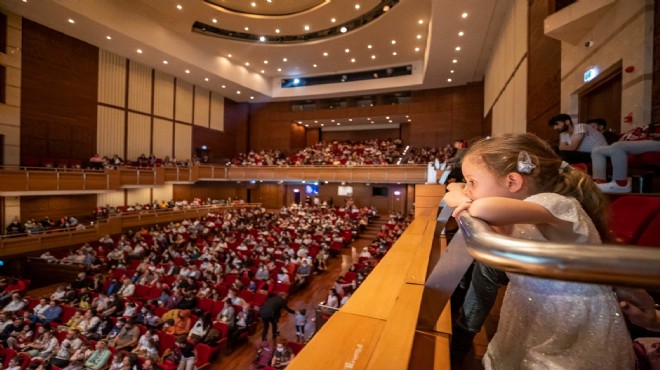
(377, 328)
(16, 181)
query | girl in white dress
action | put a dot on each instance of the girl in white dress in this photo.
(518, 185)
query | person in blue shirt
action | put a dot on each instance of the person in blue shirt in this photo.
(52, 313)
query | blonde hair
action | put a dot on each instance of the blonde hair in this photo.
(500, 156)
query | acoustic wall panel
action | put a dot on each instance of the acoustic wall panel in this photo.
(112, 78)
(217, 112)
(184, 101)
(162, 138)
(115, 198)
(183, 144)
(163, 193)
(201, 107)
(141, 196)
(139, 88)
(163, 95)
(110, 131)
(139, 136)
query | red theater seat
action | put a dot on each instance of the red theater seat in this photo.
(651, 235)
(631, 215)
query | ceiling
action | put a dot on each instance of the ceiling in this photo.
(420, 33)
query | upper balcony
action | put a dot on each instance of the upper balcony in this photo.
(17, 181)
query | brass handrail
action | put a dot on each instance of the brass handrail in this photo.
(625, 265)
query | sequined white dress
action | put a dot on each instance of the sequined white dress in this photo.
(549, 324)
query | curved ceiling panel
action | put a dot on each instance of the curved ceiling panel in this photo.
(269, 8)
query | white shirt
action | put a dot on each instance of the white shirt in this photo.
(592, 137)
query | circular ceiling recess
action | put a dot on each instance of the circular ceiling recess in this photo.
(269, 8)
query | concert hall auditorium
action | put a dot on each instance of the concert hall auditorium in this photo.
(329, 184)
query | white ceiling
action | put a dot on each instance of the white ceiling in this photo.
(163, 32)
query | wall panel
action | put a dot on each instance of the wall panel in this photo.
(163, 95)
(141, 196)
(184, 101)
(162, 138)
(139, 87)
(390, 133)
(208, 189)
(112, 78)
(115, 198)
(183, 146)
(110, 132)
(139, 135)
(202, 106)
(163, 193)
(217, 112)
(37, 207)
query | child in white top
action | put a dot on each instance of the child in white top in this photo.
(523, 189)
(301, 321)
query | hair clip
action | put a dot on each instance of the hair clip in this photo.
(525, 164)
(563, 167)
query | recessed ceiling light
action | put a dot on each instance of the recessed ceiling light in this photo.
(238, 92)
(277, 30)
(387, 117)
(332, 120)
(343, 29)
(71, 21)
(333, 20)
(306, 27)
(369, 46)
(262, 38)
(263, 71)
(315, 66)
(352, 60)
(316, 121)
(393, 42)
(252, 97)
(228, 55)
(390, 121)
(347, 50)
(464, 15)
(247, 28)
(421, 21)
(368, 118)
(187, 71)
(253, 4)
(338, 123)
(458, 48)
(357, 6)
(350, 120)
(416, 49)
(386, 8)
(265, 61)
(139, 51)
(373, 57)
(279, 69)
(325, 54)
(206, 79)
(214, 20)
(455, 61)
(323, 124)
(224, 86)
(419, 37)
(179, 6)
(452, 71)
(306, 125)
(284, 59)
(449, 80)
(461, 33)
(109, 37)
(394, 53)
(247, 64)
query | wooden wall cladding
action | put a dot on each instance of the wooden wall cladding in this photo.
(298, 138)
(55, 207)
(544, 72)
(271, 196)
(270, 126)
(58, 97)
(221, 145)
(313, 136)
(210, 189)
(655, 95)
(236, 126)
(393, 133)
(440, 116)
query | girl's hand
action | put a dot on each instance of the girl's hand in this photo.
(455, 198)
(462, 207)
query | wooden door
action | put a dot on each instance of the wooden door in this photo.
(603, 100)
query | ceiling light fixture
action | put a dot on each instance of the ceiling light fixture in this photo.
(247, 64)
(455, 61)
(333, 20)
(421, 21)
(449, 80)
(393, 42)
(416, 50)
(139, 51)
(247, 28)
(343, 29)
(179, 6)
(464, 15)
(461, 33)
(228, 55)
(187, 71)
(369, 46)
(224, 86)
(277, 30)
(458, 48)
(419, 37)
(357, 6)
(347, 50)
(265, 62)
(315, 66)
(253, 4)
(206, 79)
(452, 71)
(108, 37)
(214, 20)
(71, 21)
(165, 62)
(325, 54)
(279, 69)
(352, 60)
(252, 98)
(263, 71)
(238, 92)
(306, 27)
(373, 57)
(262, 38)
(394, 53)
(285, 60)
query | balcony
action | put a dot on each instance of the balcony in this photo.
(17, 181)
